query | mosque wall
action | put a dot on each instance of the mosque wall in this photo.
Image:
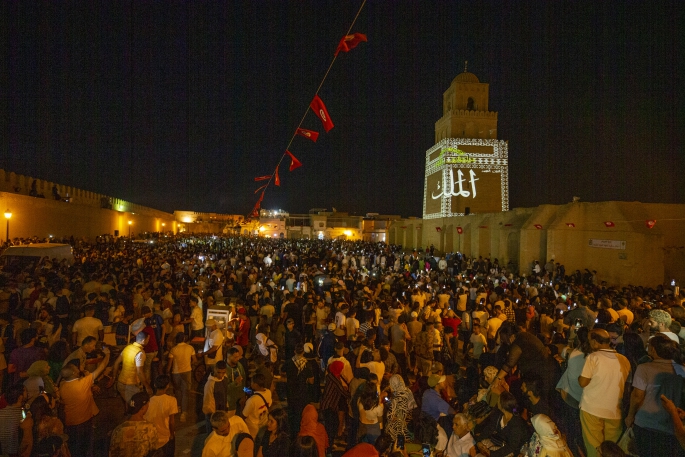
(613, 238)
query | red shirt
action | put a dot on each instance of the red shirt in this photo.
(151, 345)
(244, 332)
(452, 322)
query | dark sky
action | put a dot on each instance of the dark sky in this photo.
(179, 105)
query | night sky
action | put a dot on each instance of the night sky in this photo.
(179, 105)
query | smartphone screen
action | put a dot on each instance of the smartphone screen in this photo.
(400, 441)
(426, 449)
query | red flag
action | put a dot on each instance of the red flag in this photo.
(311, 134)
(508, 225)
(321, 112)
(460, 230)
(262, 178)
(294, 163)
(277, 179)
(404, 226)
(259, 202)
(260, 188)
(650, 223)
(349, 42)
(570, 224)
(438, 229)
(538, 226)
(609, 224)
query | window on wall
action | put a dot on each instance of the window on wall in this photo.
(470, 105)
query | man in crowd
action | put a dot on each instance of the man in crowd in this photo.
(213, 344)
(129, 368)
(135, 437)
(181, 360)
(87, 326)
(603, 379)
(79, 405)
(161, 413)
(220, 442)
(81, 354)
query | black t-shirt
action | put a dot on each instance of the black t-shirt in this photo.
(295, 312)
(279, 448)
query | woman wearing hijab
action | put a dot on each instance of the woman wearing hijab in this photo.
(267, 347)
(546, 441)
(310, 426)
(39, 376)
(334, 400)
(400, 408)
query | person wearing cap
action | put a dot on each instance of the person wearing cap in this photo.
(432, 402)
(134, 437)
(213, 343)
(129, 367)
(79, 406)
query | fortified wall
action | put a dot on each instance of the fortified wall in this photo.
(613, 238)
(78, 212)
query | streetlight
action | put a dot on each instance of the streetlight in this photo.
(8, 216)
(129, 229)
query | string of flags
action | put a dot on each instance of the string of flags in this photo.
(318, 107)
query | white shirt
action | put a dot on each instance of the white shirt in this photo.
(607, 371)
(352, 325)
(87, 326)
(378, 368)
(459, 447)
(216, 338)
(158, 412)
(223, 446)
(256, 412)
(182, 357)
(196, 316)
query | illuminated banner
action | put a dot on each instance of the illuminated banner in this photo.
(466, 173)
(607, 244)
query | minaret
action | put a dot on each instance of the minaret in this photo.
(465, 110)
(467, 170)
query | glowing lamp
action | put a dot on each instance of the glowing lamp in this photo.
(8, 214)
(348, 233)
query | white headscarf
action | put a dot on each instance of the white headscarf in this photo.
(266, 347)
(548, 437)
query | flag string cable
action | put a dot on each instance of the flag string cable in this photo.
(299, 125)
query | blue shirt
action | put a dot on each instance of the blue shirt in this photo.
(433, 404)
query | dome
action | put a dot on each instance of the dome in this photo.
(466, 77)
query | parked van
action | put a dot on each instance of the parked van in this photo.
(19, 257)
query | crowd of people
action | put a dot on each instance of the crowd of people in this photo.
(334, 348)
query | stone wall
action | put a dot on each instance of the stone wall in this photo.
(563, 232)
(43, 217)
